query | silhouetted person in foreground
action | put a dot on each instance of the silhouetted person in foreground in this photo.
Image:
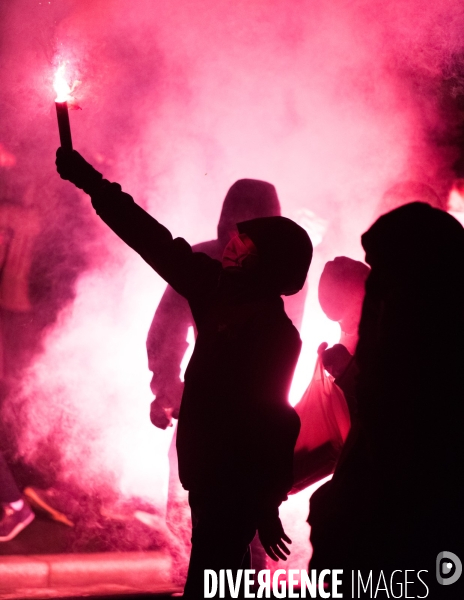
(396, 500)
(166, 345)
(236, 429)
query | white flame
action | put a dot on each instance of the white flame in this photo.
(60, 85)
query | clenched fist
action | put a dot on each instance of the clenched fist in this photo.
(74, 168)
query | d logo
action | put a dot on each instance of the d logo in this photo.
(449, 568)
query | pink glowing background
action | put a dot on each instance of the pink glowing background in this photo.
(333, 102)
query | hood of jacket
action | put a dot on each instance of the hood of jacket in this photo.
(285, 252)
(247, 199)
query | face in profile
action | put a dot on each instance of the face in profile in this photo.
(240, 253)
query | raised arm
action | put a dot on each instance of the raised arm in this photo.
(172, 259)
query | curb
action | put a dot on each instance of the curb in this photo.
(128, 571)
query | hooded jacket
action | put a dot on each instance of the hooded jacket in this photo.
(236, 429)
(397, 499)
(246, 199)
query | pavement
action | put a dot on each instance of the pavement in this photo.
(106, 574)
(38, 564)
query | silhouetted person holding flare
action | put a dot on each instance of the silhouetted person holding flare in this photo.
(167, 342)
(236, 429)
(246, 199)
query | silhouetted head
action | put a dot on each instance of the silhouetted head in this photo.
(341, 291)
(284, 252)
(415, 246)
(415, 291)
(247, 199)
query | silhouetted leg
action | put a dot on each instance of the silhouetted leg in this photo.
(222, 530)
(178, 517)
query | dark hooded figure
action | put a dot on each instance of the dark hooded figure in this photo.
(166, 345)
(166, 342)
(236, 429)
(397, 499)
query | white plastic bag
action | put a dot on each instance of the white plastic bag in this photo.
(325, 423)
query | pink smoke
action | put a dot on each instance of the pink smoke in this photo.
(179, 100)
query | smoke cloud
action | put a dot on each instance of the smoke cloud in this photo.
(333, 102)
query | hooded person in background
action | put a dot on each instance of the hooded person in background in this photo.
(328, 419)
(397, 498)
(405, 192)
(236, 430)
(166, 346)
(341, 294)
